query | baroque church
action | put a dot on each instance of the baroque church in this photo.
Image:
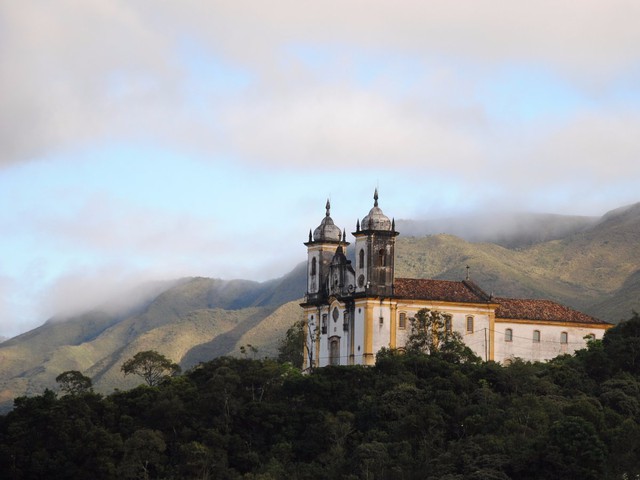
(351, 312)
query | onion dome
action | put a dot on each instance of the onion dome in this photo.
(376, 220)
(327, 230)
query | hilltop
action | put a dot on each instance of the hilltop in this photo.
(589, 264)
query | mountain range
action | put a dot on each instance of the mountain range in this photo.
(589, 263)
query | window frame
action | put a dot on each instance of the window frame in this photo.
(402, 321)
(470, 324)
(508, 334)
(536, 336)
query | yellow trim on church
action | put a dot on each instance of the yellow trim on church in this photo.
(394, 324)
(595, 326)
(368, 355)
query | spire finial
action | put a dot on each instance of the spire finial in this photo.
(310, 237)
(375, 198)
(468, 268)
(357, 225)
(344, 234)
(328, 206)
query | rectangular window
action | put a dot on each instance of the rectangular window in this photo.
(564, 337)
(402, 321)
(536, 336)
(508, 335)
(324, 323)
(469, 324)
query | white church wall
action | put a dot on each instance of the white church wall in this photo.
(381, 326)
(539, 341)
(358, 333)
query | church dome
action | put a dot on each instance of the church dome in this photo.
(376, 220)
(327, 230)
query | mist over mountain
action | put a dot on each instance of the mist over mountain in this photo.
(587, 263)
(510, 230)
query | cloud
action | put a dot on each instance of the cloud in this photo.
(334, 127)
(98, 252)
(80, 72)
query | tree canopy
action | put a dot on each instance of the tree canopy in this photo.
(291, 347)
(72, 382)
(413, 416)
(151, 366)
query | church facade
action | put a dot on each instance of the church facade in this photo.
(353, 311)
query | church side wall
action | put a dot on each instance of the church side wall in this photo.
(381, 325)
(477, 337)
(361, 308)
(549, 342)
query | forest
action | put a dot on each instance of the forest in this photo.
(434, 415)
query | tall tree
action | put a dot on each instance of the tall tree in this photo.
(151, 366)
(291, 347)
(432, 333)
(72, 382)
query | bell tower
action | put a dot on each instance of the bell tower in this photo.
(321, 248)
(375, 252)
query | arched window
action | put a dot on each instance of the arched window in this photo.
(361, 259)
(564, 337)
(469, 324)
(313, 266)
(536, 336)
(402, 321)
(382, 258)
(508, 335)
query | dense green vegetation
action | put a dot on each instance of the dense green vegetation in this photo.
(416, 415)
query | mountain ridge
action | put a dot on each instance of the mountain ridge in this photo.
(593, 268)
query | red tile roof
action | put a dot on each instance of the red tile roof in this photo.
(508, 308)
(440, 290)
(545, 310)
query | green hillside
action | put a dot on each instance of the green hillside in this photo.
(595, 267)
(192, 320)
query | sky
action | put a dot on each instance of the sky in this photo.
(151, 140)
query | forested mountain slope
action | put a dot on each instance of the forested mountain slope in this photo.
(190, 321)
(431, 416)
(595, 268)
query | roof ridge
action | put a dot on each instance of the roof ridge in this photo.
(471, 285)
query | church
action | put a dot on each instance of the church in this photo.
(351, 312)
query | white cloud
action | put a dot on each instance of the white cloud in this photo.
(75, 72)
(334, 127)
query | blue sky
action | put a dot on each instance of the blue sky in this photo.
(144, 140)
